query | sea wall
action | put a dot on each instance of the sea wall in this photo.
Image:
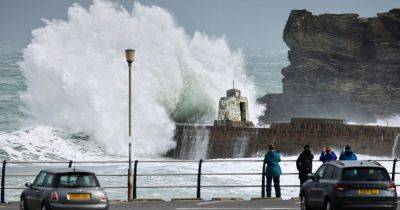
(235, 142)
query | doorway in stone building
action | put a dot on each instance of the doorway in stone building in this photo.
(243, 111)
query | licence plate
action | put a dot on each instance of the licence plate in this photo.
(79, 196)
(368, 191)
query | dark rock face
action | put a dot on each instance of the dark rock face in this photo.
(341, 66)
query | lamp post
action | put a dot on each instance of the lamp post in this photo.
(130, 56)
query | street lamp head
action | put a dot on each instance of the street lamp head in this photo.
(130, 55)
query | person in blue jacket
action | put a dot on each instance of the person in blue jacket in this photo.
(327, 155)
(273, 170)
(347, 154)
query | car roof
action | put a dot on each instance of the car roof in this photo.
(356, 163)
(64, 170)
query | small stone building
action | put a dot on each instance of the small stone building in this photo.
(233, 110)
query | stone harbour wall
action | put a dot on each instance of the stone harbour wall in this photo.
(289, 138)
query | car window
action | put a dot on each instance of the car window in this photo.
(335, 174)
(365, 174)
(49, 180)
(321, 172)
(329, 172)
(39, 179)
(77, 180)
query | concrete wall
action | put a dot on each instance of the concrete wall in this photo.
(229, 142)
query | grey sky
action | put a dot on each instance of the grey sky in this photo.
(247, 24)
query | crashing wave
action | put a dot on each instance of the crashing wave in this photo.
(77, 77)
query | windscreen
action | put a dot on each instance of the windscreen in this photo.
(77, 180)
(365, 174)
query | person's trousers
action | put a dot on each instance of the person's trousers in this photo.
(303, 178)
(277, 186)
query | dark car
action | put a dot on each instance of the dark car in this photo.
(64, 189)
(349, 184)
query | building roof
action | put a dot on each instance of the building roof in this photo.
(233, 92)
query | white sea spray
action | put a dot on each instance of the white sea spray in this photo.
(77, 76)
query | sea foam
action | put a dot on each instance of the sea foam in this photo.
(77, 76)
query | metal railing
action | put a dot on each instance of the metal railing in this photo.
(135, 175)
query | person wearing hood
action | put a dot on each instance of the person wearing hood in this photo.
(304, 164)
(347, 154)
(327, 155)
(273, 170)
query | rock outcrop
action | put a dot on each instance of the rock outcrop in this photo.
(341, 66)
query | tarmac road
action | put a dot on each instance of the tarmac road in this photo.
(198, 205)
(214, 205)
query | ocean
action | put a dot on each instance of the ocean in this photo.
(22, 138)
(18, 128)
(69, 85)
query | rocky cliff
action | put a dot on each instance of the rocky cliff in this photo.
(341, 66)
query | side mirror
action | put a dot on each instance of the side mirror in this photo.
(28, 185)
(310, 176)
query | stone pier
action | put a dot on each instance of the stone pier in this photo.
(289, 138)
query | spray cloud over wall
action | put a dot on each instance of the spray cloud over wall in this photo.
(77, 76)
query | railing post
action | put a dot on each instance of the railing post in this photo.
(130, 178)
(199, 180)
(394, 169)
(134, 179)
(70, 164)
(3, 179)
(263, 181)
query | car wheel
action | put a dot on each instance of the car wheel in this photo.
(22, 204)
(44, 207)
(304, 203)
(328, 205)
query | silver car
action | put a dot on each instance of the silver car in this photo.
(64, 189)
